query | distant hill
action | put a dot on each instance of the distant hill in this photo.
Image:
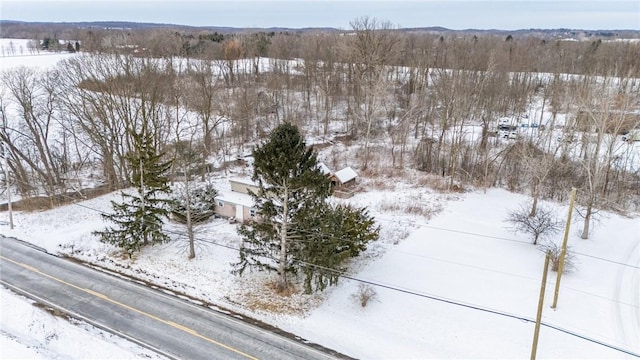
(11, 25)
(17, 29)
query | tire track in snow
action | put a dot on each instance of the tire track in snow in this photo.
(628, 318)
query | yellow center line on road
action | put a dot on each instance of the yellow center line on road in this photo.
(106, 298)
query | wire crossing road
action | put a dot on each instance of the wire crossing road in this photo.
(171, 326)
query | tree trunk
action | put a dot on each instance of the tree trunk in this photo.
(192, 251)
(587, 221)
(282, 265)
(535, 194)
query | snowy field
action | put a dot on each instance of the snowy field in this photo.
(451, 280)
(23, 57)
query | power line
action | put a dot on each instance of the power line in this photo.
(422, 225)
(446, 261)
(414, 223)
(607, 260)
(419, 255)
(425, 256)
(416, 293)
(451, 302)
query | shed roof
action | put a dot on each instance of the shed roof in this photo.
(244, 181)
(324, 168)
(345, 175)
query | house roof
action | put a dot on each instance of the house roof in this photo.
(324, 168)
(345, 175)
(244, 181)
(235, 198)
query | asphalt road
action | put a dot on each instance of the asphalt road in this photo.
(164, 323)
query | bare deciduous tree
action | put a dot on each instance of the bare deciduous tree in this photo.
(31, 136)
(369, 54)
(544, 223)
(111, 95)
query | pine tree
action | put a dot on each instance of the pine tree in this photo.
(289, 182)
(331, 235)
(296, 228)
(139, 217)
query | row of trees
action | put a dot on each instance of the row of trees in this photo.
(542, 51)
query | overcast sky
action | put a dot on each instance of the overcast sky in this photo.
(453, 14)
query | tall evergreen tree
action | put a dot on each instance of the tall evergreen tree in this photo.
(332, 234)
(139, 217)
(295, 227)
(289, 182)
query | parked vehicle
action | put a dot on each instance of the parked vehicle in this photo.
(631, 137)
(566, 138)
(506, 134)
(507, 127)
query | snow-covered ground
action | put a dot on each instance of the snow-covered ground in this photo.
(16, 52)
(431, 276)
(451, 280)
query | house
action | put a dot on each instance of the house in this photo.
(234, 205)
(243, 186)
(237, 203)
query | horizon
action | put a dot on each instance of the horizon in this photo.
(453, 15)
(214, 27)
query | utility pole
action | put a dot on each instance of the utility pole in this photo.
(5, 152)
(563, 251)
(536, 333)
(192, 250)
(142, 200)
(6, 180)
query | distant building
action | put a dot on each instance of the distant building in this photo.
(343, 182)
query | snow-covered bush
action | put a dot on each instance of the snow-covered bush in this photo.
(554, 258)
(201, 198)
(365, 294)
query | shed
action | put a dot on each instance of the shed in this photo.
(344, 177)
(324, 169)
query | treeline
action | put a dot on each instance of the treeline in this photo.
(424, 101)
(534, 51)
(519, 53)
